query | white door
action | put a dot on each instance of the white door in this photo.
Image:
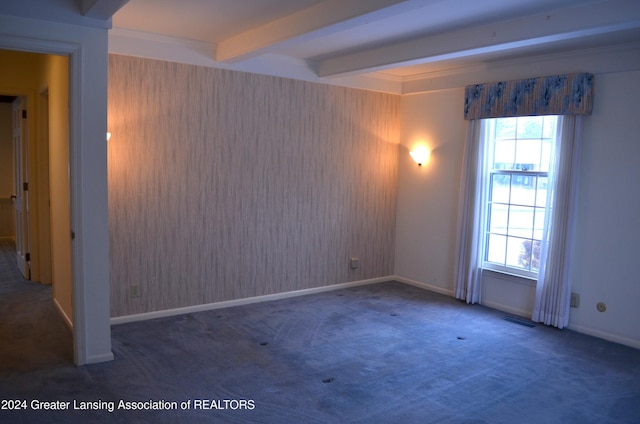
(21, 202)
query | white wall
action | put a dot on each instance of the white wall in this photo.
(428, 195)
(608, 225)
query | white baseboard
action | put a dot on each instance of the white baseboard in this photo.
(237, 302)
(96, 359)
(421, 285)
(64, 315)
(605, 335)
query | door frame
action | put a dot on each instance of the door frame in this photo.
(21, 206)
(87, 50)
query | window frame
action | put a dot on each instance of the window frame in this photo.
(488, 174)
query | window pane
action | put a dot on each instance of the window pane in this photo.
(504, 154)
(523, 191)
(506, 128)
(538, 223)
(500, 188)
(541, 195)
(546, 156)
(530, 127)
(528, 154)
(515, 250)
(521, 221)
(535, 256)
(496, 249)
(529, 255)
(499, 218)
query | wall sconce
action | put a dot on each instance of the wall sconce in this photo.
(420, 155)
(108, 136)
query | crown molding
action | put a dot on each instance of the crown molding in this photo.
(172, 49)
(616, 58)
(597, 60)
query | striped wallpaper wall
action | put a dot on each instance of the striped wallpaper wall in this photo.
(225, 185)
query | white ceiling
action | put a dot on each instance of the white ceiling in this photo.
(390, 37)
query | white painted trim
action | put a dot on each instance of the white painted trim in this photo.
(605, 335)
(424, 286)
(66, 318)
(327, 17)
(531, 60)
(192, 52)
(597, 60)
(101, 10)
(504, 36)
(172, 49)
(95, 359)
(246, 301)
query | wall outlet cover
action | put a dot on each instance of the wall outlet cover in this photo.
(354, 263)
(135, 290)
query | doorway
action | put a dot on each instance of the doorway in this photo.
(40, 298)
(86, 80)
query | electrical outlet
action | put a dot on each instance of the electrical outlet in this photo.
(135, 290)
(575, 300)
(354, 263)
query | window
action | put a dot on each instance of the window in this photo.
(518, 161)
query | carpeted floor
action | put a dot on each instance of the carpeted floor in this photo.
(382, 353)
(33, 335)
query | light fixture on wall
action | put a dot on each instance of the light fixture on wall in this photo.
(108, 136)
(420, 155)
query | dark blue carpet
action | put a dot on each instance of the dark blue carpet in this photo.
(33, 335)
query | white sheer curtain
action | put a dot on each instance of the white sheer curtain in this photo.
(467, 273)
(553, 291)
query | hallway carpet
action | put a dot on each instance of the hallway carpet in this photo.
(33, 334)
(381, 353)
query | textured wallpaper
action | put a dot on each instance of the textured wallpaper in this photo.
(226, 185)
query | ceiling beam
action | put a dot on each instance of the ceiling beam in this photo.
(325, 17)
(101, 9)
(565, 24)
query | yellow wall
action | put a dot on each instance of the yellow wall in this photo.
(31, 74)
(7, 229)
(56, 76)
(19, 76)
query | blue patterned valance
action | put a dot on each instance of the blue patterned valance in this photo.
(554, 95)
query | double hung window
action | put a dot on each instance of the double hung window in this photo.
(519, 157)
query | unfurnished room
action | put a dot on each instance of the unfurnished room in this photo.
(319, 211)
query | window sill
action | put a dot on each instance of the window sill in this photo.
(512, 278)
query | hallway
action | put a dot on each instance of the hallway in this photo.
(33, 335)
